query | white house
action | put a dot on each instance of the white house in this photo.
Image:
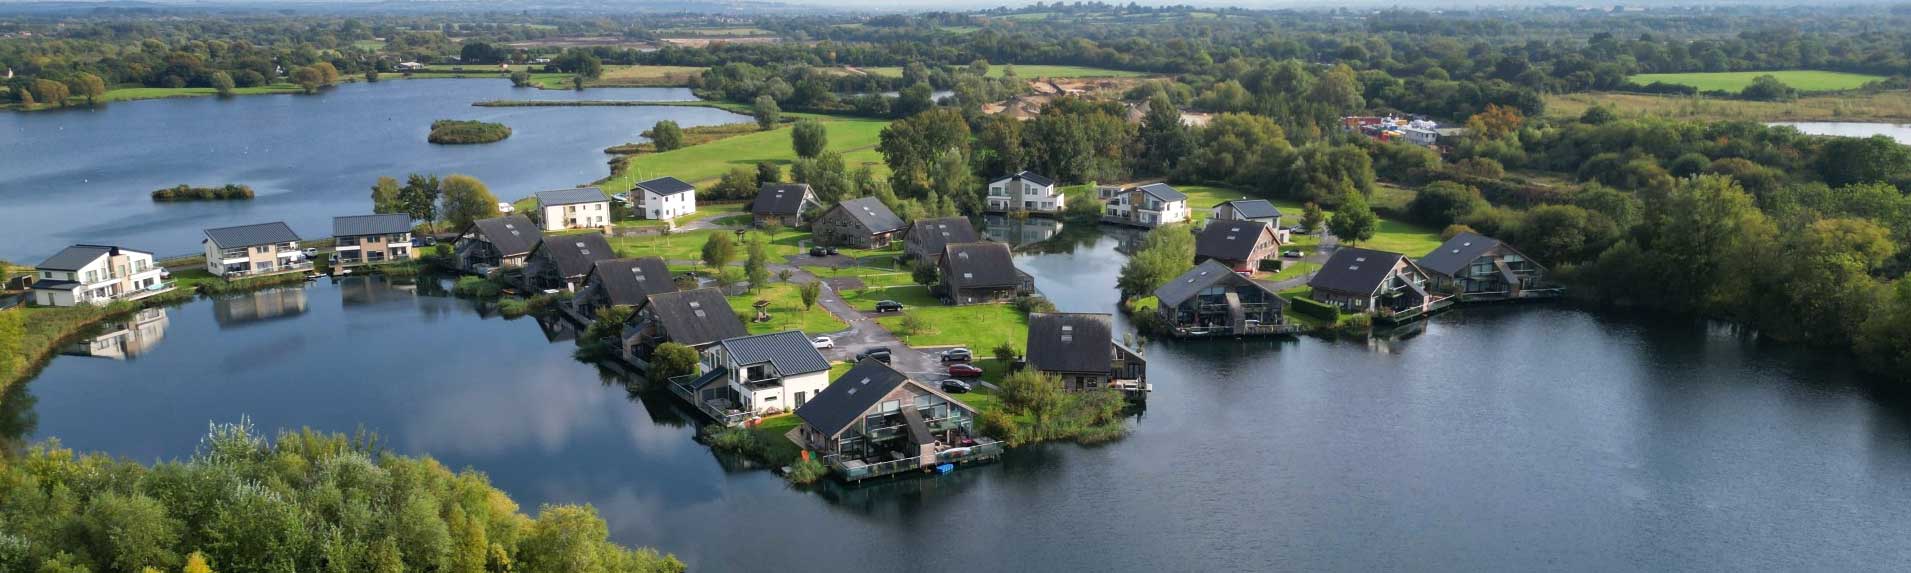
(98, 275)
(1025, 191)
(765, 373)
(580, 208)
(410, 66)
(664, 198)
(1151, 205)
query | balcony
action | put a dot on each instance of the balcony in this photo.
(983, 449)
(278, 270)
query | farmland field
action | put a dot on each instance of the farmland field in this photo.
(1031, 71)
(1804, 80)
(703, 164)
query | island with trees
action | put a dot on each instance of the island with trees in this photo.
(457, 131)
(184, 192)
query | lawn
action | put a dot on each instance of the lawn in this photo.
(769, 432)
(125, 94)
(1397, 236)
(1404, 238)
(624, 76)
(980, 327)
(369, 45)
(688, 245)
(1804, 80)
(1291, 269)
(1030, 71)
(786, 311)
(703, 164)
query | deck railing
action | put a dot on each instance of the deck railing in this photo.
(681, 387)
(983, 449)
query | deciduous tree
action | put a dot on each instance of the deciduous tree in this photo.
(1353, 222)
(466, 199)
(809, 137)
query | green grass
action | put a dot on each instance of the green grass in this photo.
(1030, 72)
(1291, 269)
(777, 449)
(369, 45)
(1404, 238)
(704, 164)
(1396, 236)
(980, 327)
(623, 76)
(128, 94)
(1803, 80)
(688, 245)
(786, 311)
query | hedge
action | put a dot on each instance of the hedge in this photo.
(1315, 308)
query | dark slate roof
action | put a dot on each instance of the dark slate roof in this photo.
(630, 281)
(666, 186)
(572, 196)
(710, 377)
(844, 400)
(1457, 252)
(790, 351)
(696, 317)
(576, 254)
(512, 234)
(779, 198)
(1029, 176)
(74, 257)
(1355, 270)
(56, 285)
(1070, 341)
(934, 234)
(973, 265)
(1162, 192)
(1202, 276)
(1230, 240)
(251, 235)
(1254, 208)
(387, 224)
(872, 214)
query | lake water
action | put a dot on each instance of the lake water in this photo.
(1898, 131)
(84, 175)
(1513, 438)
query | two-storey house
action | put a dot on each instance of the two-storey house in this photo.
(786, 204)
(875, 421)
(1478, 267)
(623, 283)
(863, 223)
(561, 262)
(580, 208)
(1151, 205)
(496, 243)
(371, 239)
(756, 375)
(97, 275)
(1260, 210)
(695, 318)
(1080, 349)
(253, 250)
(1025, 191)
(927, 237)
(980, 273)
(664, 198)
(1380, 282)
(1240, 245)
(1213, 300)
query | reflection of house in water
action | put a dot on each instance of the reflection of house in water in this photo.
(257, 306)
(124, 339)
(1020, 232)
(372, 290)
(556, 328)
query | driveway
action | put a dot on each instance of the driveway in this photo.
(864, 333)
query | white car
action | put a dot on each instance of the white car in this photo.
(311, 253)
(504, 208)
(822, 342)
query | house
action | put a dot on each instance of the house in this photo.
(695, 318)
(96, 275)
(371, 239)
(1240, 245)
(1080, 349)
(927, 237)
(976, 273)
(863, 223)
(875, 421)
(1260, 210)
(496, 243)
(410, 66)
(1151, 205)
(756, 375)
(1478, 267)
(664, 198)
(580, 208)
(783, 204)
(1025, 191)
(253, 250)
(623, 282)
(1212, 300)
(562, 262)
(1365, 280)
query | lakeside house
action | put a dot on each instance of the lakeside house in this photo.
(371, 239)
(1151, 205)
(755, 375)
(1478, 267)
(496, 243)
(581, 208)
(97, 275)
(927, 237)
(1259, 210)
(863, 223)
(1364, 280)
(1025, 191)
(783, 204)
(623, 282)
(875, 421)
(664, 198)
(562, 262)
(1080, 349)
(253, 250)
(1213, 300)
(1239, 245)
(978, 273)
(695, 318)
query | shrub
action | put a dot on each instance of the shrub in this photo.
(1004, 352)
(1028, 304)
(806, 471)
(731, 440)
(1356, 325)
(476, 287)
(452, 131)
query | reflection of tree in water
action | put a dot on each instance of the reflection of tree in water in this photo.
(18, 420)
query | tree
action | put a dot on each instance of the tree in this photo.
(672, 359)
(738, 183)
(50, 91)
(768, 172)
(950, 179)
(420, 196)
(1312, 217)
(129, 531)
(924, 273)
(521, 78)
(1353, 222)
(1482, 167)
(222, 83)
(1598, 115)
(1768, 88)
(1035, 393)
(1164, 139)
(826, 176)
(1166, 252)
(1848, 160)
(910, 145)
(327, 72)
(809, 137)
(385, 196)
(88, 86)
(1495, 122)
(1443, 203)
(196, 563)
(766, 112)
(809, 292)
(719, 250)
(756, 266)
(915, 99)
(308, 79)
(1822, 289)
(371, 76)
(1337, 90)
(466, 199)
(666, 136)
(564, 538)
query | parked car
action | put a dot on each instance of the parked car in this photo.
(311, 253)
(964, 370)
(822, 342)
(822, 251)
(1291, 253)
(505, 208)
(954, 386)
(880, 353)
(888, 306)
(957, 355)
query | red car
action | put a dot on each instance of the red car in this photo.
(964, 371)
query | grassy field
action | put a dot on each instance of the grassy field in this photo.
(625, 76)
(786, 311)
(1803, 80)
(703, 164)
(1030, 71)
(369, 45)
(1894, 106)
(979, 327)
(1397, 236)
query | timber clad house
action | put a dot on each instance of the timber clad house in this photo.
(562, 262)
(581, 208)
(371, 239)
(1151, 205)
(874, 421)
(755, 375)
(928, 237)
(1260, 210)
(783, 204)
(1387, 284)
(1213, 300)
(1080, 349)
(979, 273)
(497, 243)
(863, 223)
(623, 282)
(1478, 267)
(96, 275)
(1239, 245)
(253, 250)
(694, 318)
(664, 198)
(1025, 191)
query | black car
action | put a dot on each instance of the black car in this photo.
(888, 306)
(822, 251)
(881, 354)
(954, 386)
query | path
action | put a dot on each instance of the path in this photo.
(864, 332)
(1328, 244)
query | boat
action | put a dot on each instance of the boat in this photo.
(945, 468)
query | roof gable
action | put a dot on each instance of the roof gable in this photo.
(513, 235)
(871, 213)
(781, 198)
(575, 254)
(664, 186)
(790, 351)
(1070, 342)
(1029, 176)
(1355, 270)
(1230, 240)
(572, 196)
(1162, 192)
(972, 265)
(1202, 276)
(630, 281)
(935, 234)
(695, 317)
(850, 395)
(382, 224)
(75, 257)
(1253, 208)
(1454, 254)
(252, 235)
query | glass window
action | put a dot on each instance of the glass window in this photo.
(892, 405)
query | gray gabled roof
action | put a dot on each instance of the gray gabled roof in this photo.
(575, 254)
(1452, 256)
(1229, 240)
(850, 395)
(513, 235)
(77, 256)
(934, 234)
(872, 214)
(386, 224)
(790, 351)
(1254, 208)
(572, 196)
(972, 265)
(1204, 275)
(780, 198)
(696, 317)
(251, 235)
(663, 186)
(1162, 192)
(1029, 176)
(1070, 341)
(630, 281)
(1355, 270)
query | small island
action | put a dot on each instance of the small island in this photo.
(184, 192)
(457, 131)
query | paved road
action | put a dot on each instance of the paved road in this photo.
(1328, 244)
(863, 332)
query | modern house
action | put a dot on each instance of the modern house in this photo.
(1213, 300)
(1025, 191)
(580, 208)
(784, 204)
(1151, 205)
(97, 275)
(1240, 245)
(562, 261)
(1478, 267)
(253, 250)
(927, 237)
(1260, 210)
(623, 282)
(496, 243)
(863, 223)
(695, 318)
(875, 421)
(664, 198)
(371, 239)
(1080, 349)
(978, 273)
(1362, 280)
(755, 375)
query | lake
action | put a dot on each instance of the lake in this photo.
(1520, 437)
(1897, 131)
(85, 175)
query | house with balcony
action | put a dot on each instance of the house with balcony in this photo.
(874, 421)
(786, 204)
(580, 208)
(371, 239)
(1259, 210)
(97, 275)
(981, 273)
(863, 223)
(755, 375)
(1080, 349)
(1213, 300)
(561, 262)
(1389, 285)
(1025, 191)
(928, 237)
(695, 318)
(1239, 245)
(253, 250)
(664, 198)
(496, 243)
(1476, 267)
(623, 282)
(1149, 206)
